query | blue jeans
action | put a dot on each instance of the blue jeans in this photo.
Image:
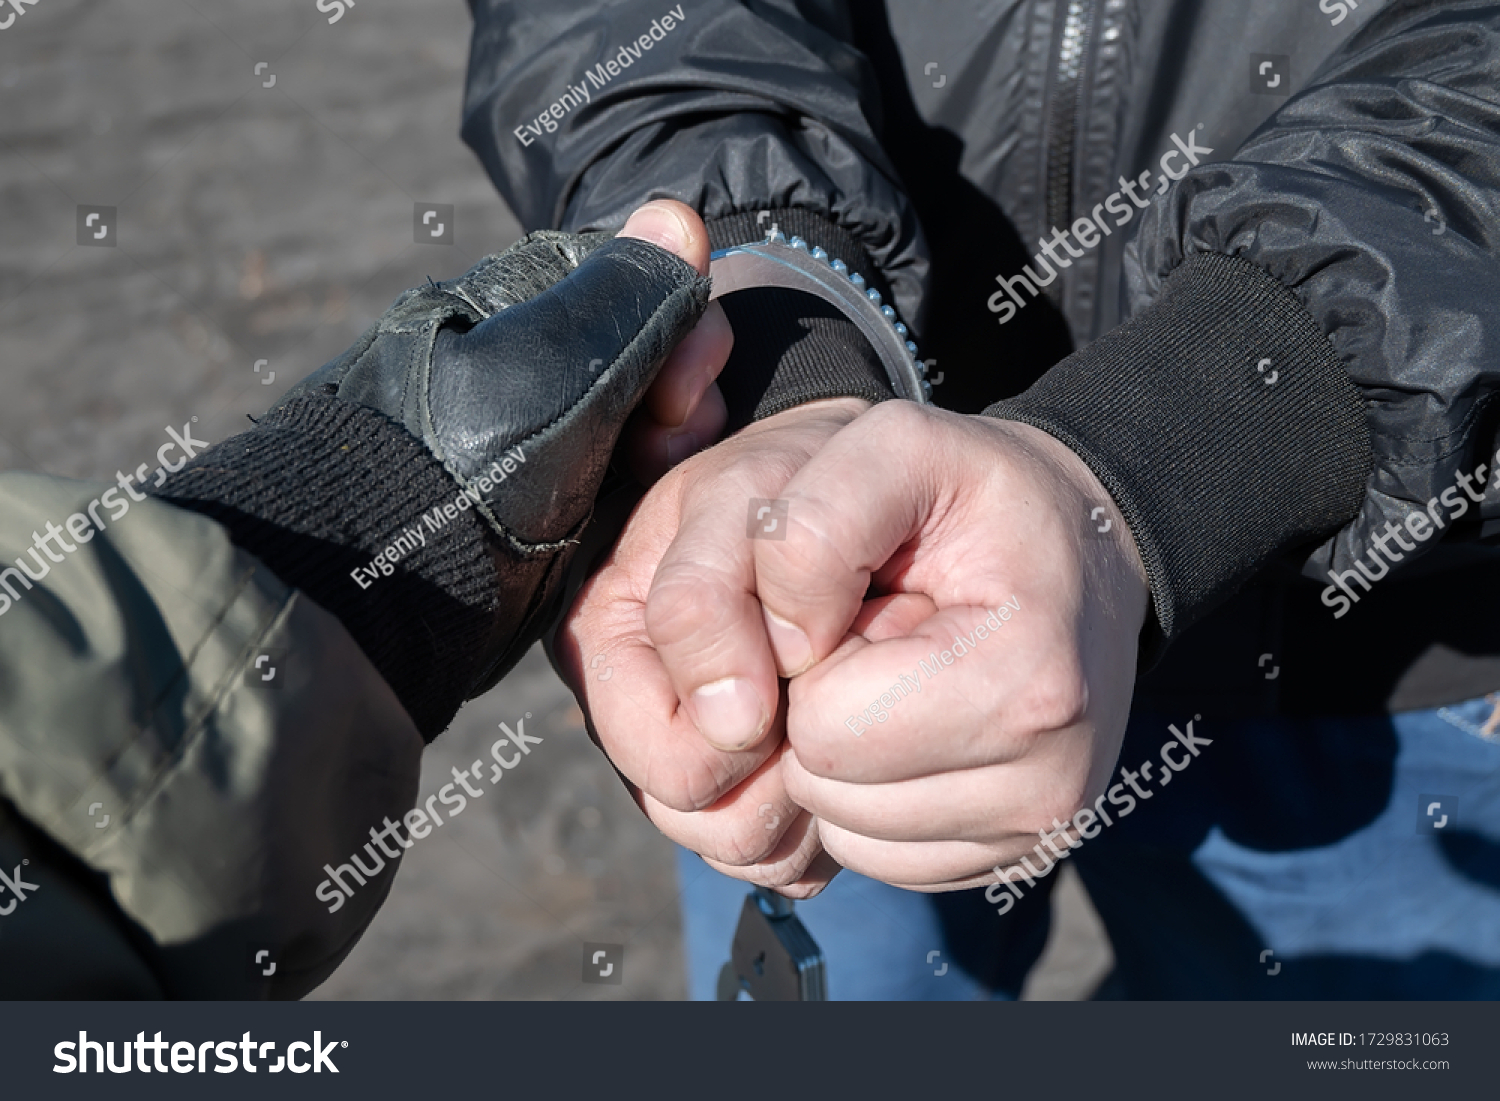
(1347, 858)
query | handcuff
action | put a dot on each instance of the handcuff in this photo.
(796, 265)
(773, 957)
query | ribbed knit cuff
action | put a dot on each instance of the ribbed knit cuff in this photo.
(317, 490)
(1222, 423)
(791, 348)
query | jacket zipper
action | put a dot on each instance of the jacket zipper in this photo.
(1063, 116)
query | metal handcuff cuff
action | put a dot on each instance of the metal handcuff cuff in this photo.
(773, 956)
(796, 265)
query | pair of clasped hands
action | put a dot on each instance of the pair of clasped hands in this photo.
(734, 662)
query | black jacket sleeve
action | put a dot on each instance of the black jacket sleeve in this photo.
(581, 112)
(1313, 346)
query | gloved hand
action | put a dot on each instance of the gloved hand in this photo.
(499, 395)
(545, 349)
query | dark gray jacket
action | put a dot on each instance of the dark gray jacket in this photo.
(1293, 203)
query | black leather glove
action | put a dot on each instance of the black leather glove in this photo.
(429, 486)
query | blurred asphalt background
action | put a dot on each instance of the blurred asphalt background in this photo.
(276, 223)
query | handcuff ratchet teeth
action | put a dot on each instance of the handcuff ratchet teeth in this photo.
(795, 265)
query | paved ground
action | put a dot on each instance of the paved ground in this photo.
(263, 166)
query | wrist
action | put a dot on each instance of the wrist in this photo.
(331, 497)
(842, 409)
(793, 348)
(1113, 572)
(834, 412)
(1219, 465)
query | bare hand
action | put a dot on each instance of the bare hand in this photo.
(982, 531)
(667, 650)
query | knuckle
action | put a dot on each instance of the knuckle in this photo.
(754, 465)
(787, 868)
(685, 601)
(682, 785)
(801, 892)
(812, 559)
(778, 874)
(899, 417)
(1063, 799)
(807, 546)
(746, 844)
(1054, 699)
(820, 752)
(841, 849)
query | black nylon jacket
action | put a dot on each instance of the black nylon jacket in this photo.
(1256, 243)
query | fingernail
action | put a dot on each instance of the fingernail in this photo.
(680, 446)
(789, 642)
(658, 224)
(729, 713)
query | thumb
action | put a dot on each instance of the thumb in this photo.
(684, 409)
(673, 226)
(849, 509)
(556, 376)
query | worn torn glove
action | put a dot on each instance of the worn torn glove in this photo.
(428, 486)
